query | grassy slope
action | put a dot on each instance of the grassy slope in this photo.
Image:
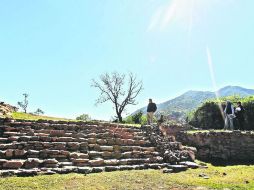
(27, 116)
(237, 177)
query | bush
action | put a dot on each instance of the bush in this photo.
(83, 117)
(138, 118)
(208, 116)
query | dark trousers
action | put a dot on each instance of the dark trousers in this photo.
(240, 123)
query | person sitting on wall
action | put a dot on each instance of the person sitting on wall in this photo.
(239, 112)
(151, 108)
(229, 116)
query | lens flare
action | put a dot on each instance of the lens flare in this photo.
(212, 75)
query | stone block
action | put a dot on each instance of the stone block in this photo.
(112, 162)
(107, 148)
(32, 163)
(19, 153)
(13, 164)
(97, 162)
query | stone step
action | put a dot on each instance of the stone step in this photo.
(105, 152)
(81, 134)
(44, 136)
(73, 127)
(74, 169)
(45, 141)
(53, 163)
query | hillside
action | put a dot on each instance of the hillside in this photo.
(178, 107)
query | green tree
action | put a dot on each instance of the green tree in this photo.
(39, 112)
(83, 117)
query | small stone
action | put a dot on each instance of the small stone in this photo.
(111, 168)
(84, 170)
(177, 168)
(98, 169)
(165, 170)
(107, 148)
(192, 165)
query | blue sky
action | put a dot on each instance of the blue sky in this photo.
(52, 49)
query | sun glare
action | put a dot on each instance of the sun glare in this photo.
(184, 12)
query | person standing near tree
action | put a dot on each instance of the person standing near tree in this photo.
(151, 108)
(229, 116)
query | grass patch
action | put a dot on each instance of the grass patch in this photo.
(27, 116)
(230, 177)
(206, 131)
(215, 131)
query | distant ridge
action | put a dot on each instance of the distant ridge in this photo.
(190, 100)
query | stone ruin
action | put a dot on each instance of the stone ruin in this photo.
(29, 148)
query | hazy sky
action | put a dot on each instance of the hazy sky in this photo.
(52, 49)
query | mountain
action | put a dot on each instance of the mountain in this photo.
(178, 107)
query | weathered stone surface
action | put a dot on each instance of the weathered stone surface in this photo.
(97, 162)
(11, 164)
(19, 153)
(177, 168)
(74, 146)
(92, 140)
(65, 147)
(80, 162)
(224, 145)
(192, 165)
(98, 169)
(106, 148)
(32, 163)
(85, 170)
(111, 168)
(101, 141)
(9, 153)
(50, 161)
(111, 162)
(26, 173)
(165, 170)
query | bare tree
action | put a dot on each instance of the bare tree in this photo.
(24, 104)
(114, 88)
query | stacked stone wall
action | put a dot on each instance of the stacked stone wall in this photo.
(220, 146)
(48, 147)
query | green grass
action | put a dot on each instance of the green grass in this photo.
(27, 116)
(234, 178)
(206, 131)
(216, 131)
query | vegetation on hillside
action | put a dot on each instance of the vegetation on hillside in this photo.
(236, 177)
(209, 116)
(83, 117)
(138, 118)
(27, 116)
(179, 107)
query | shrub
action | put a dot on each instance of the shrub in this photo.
(208, 116)
(83, 117)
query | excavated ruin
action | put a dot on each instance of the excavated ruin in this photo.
(30, 148)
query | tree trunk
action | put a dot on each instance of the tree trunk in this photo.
(120, 118)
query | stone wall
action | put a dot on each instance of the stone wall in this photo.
(220, 146)
(48, 147)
